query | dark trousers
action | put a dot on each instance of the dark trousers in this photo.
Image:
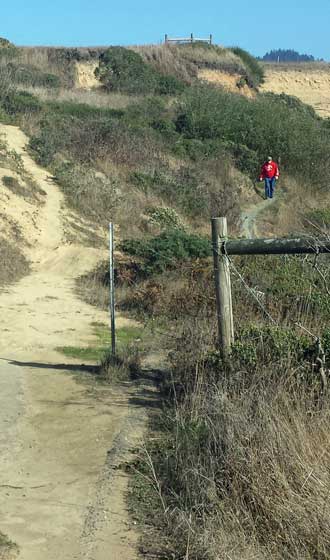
(270, 187)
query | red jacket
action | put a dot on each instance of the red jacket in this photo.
(269, 170)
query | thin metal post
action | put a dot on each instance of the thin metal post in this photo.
(192, 37)
(222, 286)
(112, 291)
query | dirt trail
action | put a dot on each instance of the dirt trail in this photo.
(60, 496)
(249, 217)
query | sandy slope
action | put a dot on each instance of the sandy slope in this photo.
(310, 83)
(58, 492)
(85, 77)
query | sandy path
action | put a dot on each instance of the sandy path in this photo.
(250, 216)
(58, 494)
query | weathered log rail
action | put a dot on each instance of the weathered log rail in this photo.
(224, 247)
(288, 246)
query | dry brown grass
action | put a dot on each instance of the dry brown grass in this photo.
(35, 57)
(295, 199)
(89, 97)
(185, 61)
(244, 470)
(13, 263)
(168, 60)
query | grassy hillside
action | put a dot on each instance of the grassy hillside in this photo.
(238, 463)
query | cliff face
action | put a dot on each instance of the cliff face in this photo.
(309, 82)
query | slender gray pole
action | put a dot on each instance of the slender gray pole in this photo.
(222, 286)
(112, 291)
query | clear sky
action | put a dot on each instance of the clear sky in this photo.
(256, 25)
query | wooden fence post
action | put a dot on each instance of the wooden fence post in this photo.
(222, 286)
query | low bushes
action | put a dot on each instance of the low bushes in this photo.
(28, 75)
(91, 193)
(124, 70)
(242, 126)
(87, 134)
(167, 249)
(8, 50)
(21, 102)
(255, 74)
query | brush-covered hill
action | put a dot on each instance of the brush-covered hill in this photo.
(167, 125)
(159, 139)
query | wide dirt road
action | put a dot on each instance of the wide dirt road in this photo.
(61, 432)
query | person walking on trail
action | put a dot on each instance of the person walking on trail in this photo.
(269, 173)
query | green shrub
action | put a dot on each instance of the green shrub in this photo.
(81, 111)
(291, 287)
(164, 218)
(85, 133)
(21, 102)
(255, 73)
(7, 49)
(30, 75)
(243, 128)
(47, 144)
(169, 85)
(265, 345)
(124, 70)
(167, 249)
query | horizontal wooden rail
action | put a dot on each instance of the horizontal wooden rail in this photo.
(190, 39)
(298, 246)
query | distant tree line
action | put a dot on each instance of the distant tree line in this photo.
(287, 55)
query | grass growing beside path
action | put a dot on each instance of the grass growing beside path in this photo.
(96, 351)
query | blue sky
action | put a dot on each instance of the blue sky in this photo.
(257, 25)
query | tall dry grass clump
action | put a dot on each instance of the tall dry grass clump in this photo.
(184, 61)
(87, 97)
(14, 265)
(238, 466)
(246, 469)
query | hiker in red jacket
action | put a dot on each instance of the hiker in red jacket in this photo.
(269, 173)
